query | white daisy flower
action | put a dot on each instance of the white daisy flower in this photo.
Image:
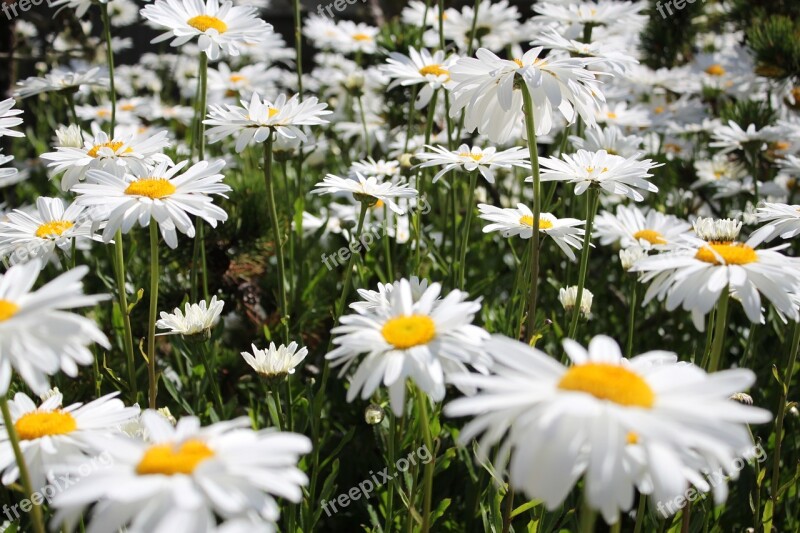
(275, 362)
(380, 169)
(38, 337)
(9, 119)
(356, 38)
(182, 477)
(367, 189)
(718, 171)
(605, 55)
(426, 340)
(634, 227)
(497, 26)
(601, 13)
(256, 120)
(611, 139)
(373, 300)
(225, 83)
(471, 159)
(510, 222)
(159, 194)
(195, 320)
(125, 153)
(732, 137)
(629, 256)
(217, 27)
(61, 79)
(51, 434)
(556, 424)
(420, 68)
(612, 173)
(569, 295)
(782, 220)
(30, 235)
(8, 176)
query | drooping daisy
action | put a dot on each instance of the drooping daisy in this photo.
(485, 90)
(556, 424)
(186, 476)
(257, 119)
(782, 219)
(567, 296)
(471, 159)
(369, 189)
(38, 337)
(646, 228)
(9, 118)
(197, 319)
(275, 362)
(612, 173)
(160, 194)
(511, 222)
(61, 79)
(39, 233)
(118, 155)
(432, 71)
(426, 340)
(217, 27)
(50, 433)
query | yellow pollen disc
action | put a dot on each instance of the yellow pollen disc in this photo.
(658, 110)
(436, 70)
(718, 174)
(781, 145)
(715, 70)
(236, 78)
(152, 188)
(527, 220)
(361, 37)
(731, 254)
(103, 113)
(170, 460)
(36, 425)
(378, 204)
(7, 310)
(114, 145)
(406, 332)
(53, 228)
(127, 107)
(206, 22)
(589, 169)
(609, 382)
(519, 62)
(474, 157)
(632, 438)
(651, 236)
(273, 111)
(611, 114)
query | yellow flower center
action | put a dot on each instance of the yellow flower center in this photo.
(436, 70)
(114, 145)
(632, 437)
(170, 460)
(237, 78)
(527, 220)
(715, 70)
(361, 37)
(519, 62)
(781, 145)
(473, 156)
(36, 425)
(609, 382)
(7, 310)
(152, 188)
(658, 110)
(611, 115)
(406, 332)
(102, 113)
(379, 204)
(651, 236)
(53, 228)
(731, 254)
(273, 111)
(127, 107)
(206, 22)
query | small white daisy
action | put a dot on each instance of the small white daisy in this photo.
(782, 219)
(569, 295)
(367, 189)
(432, 71)
(10, 175)
(195, 320)
(646, 228)
(471, 159)
(61, 79)
(275, 362)
(9, 119)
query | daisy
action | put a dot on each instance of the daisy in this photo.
(432, 71)
(275, 362)
(218, 27)
(606, 56)
(581, 14)
(118, 155)
(39, 233)
(256, 120)
(38, 336)
(49, 434)
(159, 194)
(9, 119)
(611, 139)
(612, 173)
(10, 175)
(732, 137)
(61, 79)
(471, 159)
(426, 340)
(497, 26)
(695, 275)
(782, 220)
(485, 89)
(511, 222)
(556, 424)
(196, 320)
(368, 190)
(357, 38)
(569, 295)
(373, 300)
(187, 475)
(380, 169)
(634, 227)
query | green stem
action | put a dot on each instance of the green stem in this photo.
(473, 180)
(119, 273)
(276, 235)
(199, 249)
(367, 145)
(36, 511)
(425, 426)
(720, 326)
(587, 517)
(473, 30)
(349, 272)
(212, 376)
(640, 512)
(421, 184)
(298, 41)
(632, 317)
(71, 104)
(787, 382)
(110, 59)
(508, 509)
(151, 324)
(592, 203)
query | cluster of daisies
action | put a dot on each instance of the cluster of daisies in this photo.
(542, 125)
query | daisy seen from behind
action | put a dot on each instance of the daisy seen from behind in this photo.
(275, 361)
(367, 190)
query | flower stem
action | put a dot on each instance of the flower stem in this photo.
(110, 59)
(349, 272)
(530, 127)
(212, 376)
(361, 112)
(119, 273)
(592, 204)
(36, 511)
(632, 317)
(421, 183)
(720, 326)
(588, 516)
(298, 43)
(427, 437)
(151, 324)
(640, 512)
(276, 235)
(473, 180)
(199, 250)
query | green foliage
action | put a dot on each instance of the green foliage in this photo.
(775, 42)
(667, 39)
